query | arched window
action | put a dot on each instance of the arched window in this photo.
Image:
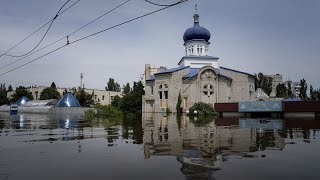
(160, 87)
(165, 86)
(198, 49)
(206, 49)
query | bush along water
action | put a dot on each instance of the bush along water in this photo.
(203, 110)
(103, 112)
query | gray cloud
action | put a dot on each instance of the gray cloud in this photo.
(251, 35)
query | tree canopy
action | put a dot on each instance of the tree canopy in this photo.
(3, 95)
(113, 86)
(85, 99)
(303, 89)
(50, 93)
(131, 102)
(53, 85)
(263, 82)
(281, 91)
(20, 92)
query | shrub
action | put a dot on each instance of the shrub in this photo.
(203, 109)
(89, 114)
(108, 111)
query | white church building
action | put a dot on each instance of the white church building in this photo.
(198, 78)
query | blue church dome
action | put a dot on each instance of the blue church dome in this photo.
(196, 32)
(22, 100)
(68, 100)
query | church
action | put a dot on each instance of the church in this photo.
(198, 78)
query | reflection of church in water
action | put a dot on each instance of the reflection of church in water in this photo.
(205, 145)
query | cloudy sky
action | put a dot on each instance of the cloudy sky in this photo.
(269, 36)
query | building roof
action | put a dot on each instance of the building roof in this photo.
(194, 71)
(68, 100)
(236, 71)
(22, 100)
(196, 32)
(172, 70)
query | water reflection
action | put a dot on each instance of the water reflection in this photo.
(201, 146)
(188, 148)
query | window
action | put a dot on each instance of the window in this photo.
(95, 97)
(102, 97)
(185, 103)
(165, 94)
(208, 89)
(112, 97)
(198, 49)
(206, 49)
(160, 96)
(160, 87)
(165, 86)
(151, 90)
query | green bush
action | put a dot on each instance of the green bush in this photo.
(89, 114)
(203, 109)
(108, 111)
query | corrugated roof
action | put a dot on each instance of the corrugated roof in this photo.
(172, 70)
(237, 71)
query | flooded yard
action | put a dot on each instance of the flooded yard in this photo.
(157, 147)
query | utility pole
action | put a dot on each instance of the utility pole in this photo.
(81, 77)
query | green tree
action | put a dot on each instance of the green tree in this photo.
(53, 85)
(50, 93)
(85, 99)
(289, 89)
(281, 91)
(3, 95)
(203, 110)
(263, 82)
(313, 94)
(132, 102)
(10, 89)
(303, 89)
(116, 102)
(318, 95)
(126, 89)
(113, 86)
(20, 92)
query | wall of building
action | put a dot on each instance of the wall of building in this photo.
(240, 87)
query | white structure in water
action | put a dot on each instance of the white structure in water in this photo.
(198, 78)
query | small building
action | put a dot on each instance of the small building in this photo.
(102, 96)
(198, 78)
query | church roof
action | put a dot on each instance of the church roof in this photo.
(196, 32)
(172, 70)
(194, 72)
(237, 71)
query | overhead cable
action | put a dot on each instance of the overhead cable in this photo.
(67, 36)
(93, 34)
(49, 22)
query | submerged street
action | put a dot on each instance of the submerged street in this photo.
(157, 147)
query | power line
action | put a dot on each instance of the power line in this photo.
(157, 4)
(93, 34)
(99, 17)
(49, 22)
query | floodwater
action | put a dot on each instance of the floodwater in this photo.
(38, 147)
